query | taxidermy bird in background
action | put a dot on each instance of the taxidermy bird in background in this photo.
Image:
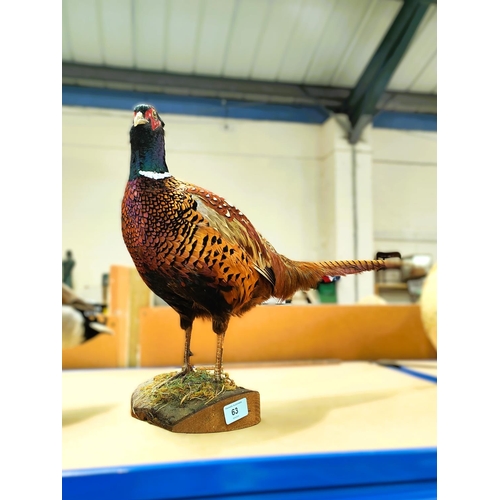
(198, 252)
(80, 320)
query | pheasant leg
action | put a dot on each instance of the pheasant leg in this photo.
(218, 356)
(188, 367)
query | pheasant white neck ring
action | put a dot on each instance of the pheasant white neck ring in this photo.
(155, 175)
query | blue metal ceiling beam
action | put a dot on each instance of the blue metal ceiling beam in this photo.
(361, 104)
(230, 89)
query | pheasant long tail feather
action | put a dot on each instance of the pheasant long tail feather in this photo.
(298, 275)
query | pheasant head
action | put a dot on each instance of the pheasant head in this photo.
(147, 140)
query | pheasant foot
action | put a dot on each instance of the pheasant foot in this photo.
(185, 370)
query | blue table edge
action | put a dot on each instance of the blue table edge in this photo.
(409, 371)
(216, 477)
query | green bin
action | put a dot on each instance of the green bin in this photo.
(328, 292)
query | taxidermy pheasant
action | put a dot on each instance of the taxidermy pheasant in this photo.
(80, 320)
(198, 252)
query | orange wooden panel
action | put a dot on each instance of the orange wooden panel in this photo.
(119, 296)
(291, 332)
(139, 297)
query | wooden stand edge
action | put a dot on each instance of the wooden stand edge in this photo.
(196, 417)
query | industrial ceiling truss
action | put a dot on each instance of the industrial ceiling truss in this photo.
(399, 76)
(362, 102)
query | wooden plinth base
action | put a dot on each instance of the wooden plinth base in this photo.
(197, 415)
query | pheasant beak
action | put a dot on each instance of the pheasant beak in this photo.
(139, 119)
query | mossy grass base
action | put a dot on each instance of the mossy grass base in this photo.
(193, 403)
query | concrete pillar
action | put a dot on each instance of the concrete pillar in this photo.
(345, 204)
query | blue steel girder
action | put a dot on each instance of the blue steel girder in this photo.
(361, 104)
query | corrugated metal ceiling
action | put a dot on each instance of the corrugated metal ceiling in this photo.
(314, 42)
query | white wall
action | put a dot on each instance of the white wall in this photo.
(405, 191)
(293, 181)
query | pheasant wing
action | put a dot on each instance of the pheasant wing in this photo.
(236, 229)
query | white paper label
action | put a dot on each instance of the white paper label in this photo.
(235, 411)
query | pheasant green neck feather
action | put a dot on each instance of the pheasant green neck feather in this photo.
(147, 155)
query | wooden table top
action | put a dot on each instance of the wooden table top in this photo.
(305, 408)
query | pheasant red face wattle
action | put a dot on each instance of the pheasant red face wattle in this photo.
(149, 115)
